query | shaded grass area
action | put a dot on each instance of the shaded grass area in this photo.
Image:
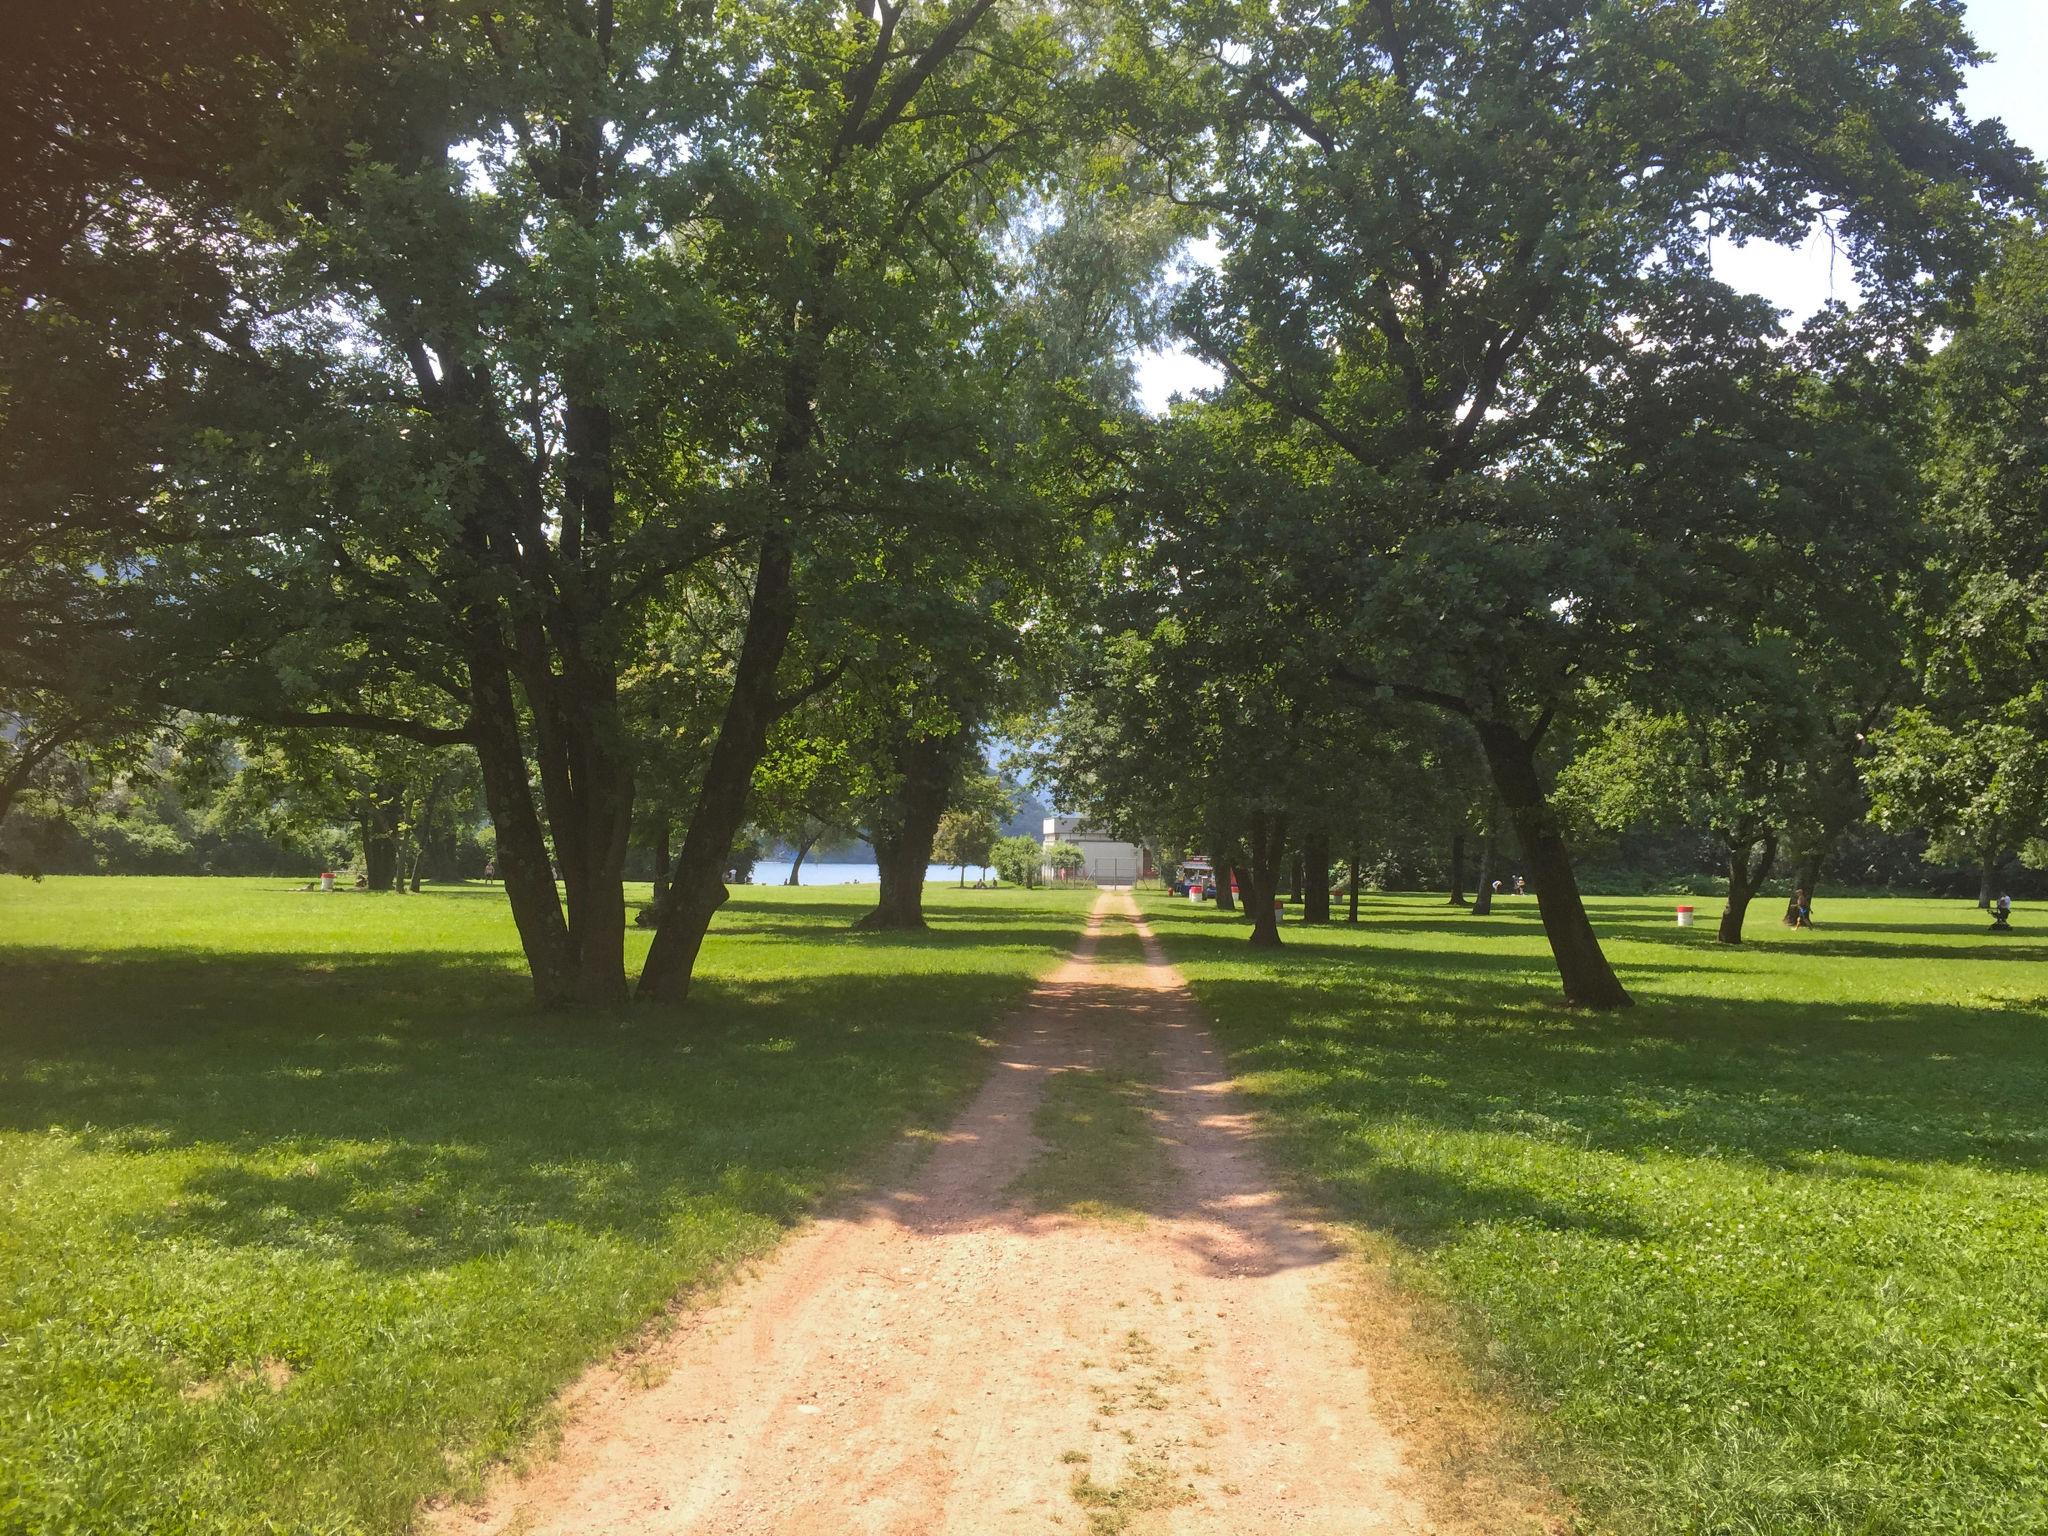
(1766, 1254)
(305, 1213)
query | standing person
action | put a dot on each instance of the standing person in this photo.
(1802, 909)
(1521, 886)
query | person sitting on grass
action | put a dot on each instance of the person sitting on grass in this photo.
(2001, 915)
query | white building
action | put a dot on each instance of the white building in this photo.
(1109, 861)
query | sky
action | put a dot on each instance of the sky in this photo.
(2013, 87)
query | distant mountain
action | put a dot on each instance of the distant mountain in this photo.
(1029, 821)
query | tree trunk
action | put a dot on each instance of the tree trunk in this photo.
(1294, 878)
(698, 890)
(1458, 868)
(521, 854)
(380, 839)
(1745, 875)
(1812, 866)
(1589, 981)
(1353, 862)
(697, 886)
(796, 864)
(1225, 866)
(661, 839)
(1987, 878)
(1315, 893)
(927, 768)
(597, 916)
(1482, 890)
(1268, 849)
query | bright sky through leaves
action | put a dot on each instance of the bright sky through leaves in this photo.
(1797, 278)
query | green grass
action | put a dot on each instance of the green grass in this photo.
(305, 1213)
(1766, 1254)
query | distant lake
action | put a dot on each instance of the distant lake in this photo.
(775, 871)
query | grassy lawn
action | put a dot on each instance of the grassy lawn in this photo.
(1768, 1254)
(305, 1213)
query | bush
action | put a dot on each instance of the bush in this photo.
(1018, 859)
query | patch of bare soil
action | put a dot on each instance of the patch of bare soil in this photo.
(942, 1357)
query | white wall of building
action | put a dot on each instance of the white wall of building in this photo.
(1110, 860)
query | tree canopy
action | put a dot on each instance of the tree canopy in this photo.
(700, 421)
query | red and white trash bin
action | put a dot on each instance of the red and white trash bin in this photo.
(1685, 917)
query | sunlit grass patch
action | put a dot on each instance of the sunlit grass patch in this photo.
(305, 1213)
(1768, 1253)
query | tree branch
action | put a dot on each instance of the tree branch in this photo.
(356, 720)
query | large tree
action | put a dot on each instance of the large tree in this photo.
(523, 328)
(1968, 762)
(1466, 246)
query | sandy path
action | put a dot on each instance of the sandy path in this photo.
(939, 1359)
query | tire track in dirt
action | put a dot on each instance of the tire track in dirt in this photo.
(941, 1358)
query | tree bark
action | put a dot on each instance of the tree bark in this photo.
(380, 840)
(1812, 866)
(796, 864)
(1225, 866)
(1458, 868)
(1482, 890)
(1268, 851)
(697, 885)
(1294, 878)
(1589, 981)
(1353, 862)
(926, 768)
(1745, 875)
(521, 854)
(1987, 877)
(1315, 894)
(661, 840)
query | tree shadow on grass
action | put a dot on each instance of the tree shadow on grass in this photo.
(414, 1111)
(1445, 1045)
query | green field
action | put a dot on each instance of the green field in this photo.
(305, 1213)
(1767, 1254)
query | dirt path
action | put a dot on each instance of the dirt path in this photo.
(943, 1358)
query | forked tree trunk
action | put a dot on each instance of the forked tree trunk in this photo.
(1458, 868)
(1589, 981)
(1353, 862)
(1749, 866)
(796, 864)
(697, 886)
(1315, 877)
(521, 853)
(1268, 851)
(926, 767)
